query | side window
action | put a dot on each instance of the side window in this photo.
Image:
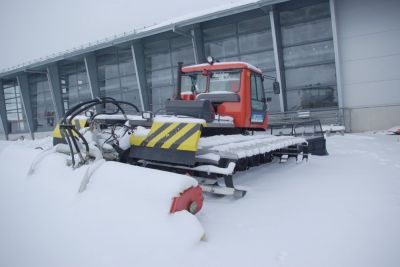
(260, 88)
(253, 87)
(257, 92)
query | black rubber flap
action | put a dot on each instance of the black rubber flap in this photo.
(201, 109)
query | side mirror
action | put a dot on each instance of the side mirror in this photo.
(277, 88)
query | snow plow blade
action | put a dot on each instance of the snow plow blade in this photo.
(185, 194)
(127, 205)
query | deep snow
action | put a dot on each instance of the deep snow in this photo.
(336, 210)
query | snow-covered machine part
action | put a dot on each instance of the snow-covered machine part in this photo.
(394, 130)
(176, 144)
(248, 145)
(208, 133)
(122, 208)
(309, 129)
(87, 141)
(172, 143)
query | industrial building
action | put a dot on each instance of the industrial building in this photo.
(338, 59)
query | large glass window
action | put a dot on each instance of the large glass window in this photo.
(308, 56)
(161, 58)
(248, 40)
(116, 75)
(74, 84)
(314, 97)
(16, 119)
(222, 48)
(43, 111)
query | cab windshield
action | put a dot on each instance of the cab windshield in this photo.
(217, 81)
(194, 82)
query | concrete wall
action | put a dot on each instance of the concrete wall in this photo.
(19, 136)
(369, 54)
(371, 118)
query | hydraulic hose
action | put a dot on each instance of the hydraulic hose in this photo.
(68, 130)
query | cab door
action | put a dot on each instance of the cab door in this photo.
(258, 103)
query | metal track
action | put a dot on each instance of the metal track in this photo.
(245, 146)
(221, 156)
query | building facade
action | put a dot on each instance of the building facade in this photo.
(338, 59)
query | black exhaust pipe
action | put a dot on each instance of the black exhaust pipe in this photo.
(179, 82)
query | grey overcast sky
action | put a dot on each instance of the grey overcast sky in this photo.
(30, 29)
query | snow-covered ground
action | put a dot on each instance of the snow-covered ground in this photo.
(336, 210)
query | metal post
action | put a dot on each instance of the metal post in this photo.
(337, 58)
(197, 42)
(138, 61)
(90, 64)
(278, 54)
(178, 82)
(55, 89)
(22, 80)
(3, 111)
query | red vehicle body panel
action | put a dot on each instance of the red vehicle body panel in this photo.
(240, 111)
(186, 199)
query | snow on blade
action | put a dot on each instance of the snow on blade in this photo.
(120, 219)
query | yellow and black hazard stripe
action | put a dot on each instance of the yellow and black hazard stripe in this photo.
(168, 142)
(187, 139)
(175, 136)
(58, 135)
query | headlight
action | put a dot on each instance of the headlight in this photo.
(210, 60)
(147, 115)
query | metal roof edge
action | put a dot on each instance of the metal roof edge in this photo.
(138, 34)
